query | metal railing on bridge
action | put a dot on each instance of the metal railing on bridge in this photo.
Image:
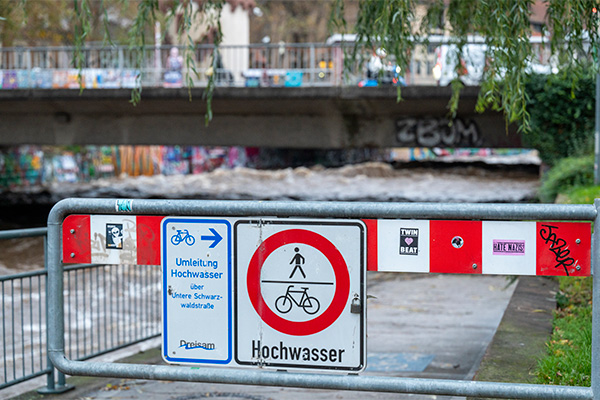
(110, 307)
(119, 66)
(253, 65)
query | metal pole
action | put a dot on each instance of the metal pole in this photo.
(597, 133)
(596, 298)
(313, 63)
(51, 387)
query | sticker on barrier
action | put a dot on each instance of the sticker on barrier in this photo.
(480, 247)
(111, 239)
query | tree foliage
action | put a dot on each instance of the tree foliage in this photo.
(395, 25)
(571, 27)
(562, 116)
(54, 22)
(42, 20)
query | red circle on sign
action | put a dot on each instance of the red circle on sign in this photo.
(340, 270)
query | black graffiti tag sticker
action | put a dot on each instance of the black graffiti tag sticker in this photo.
(563, 248)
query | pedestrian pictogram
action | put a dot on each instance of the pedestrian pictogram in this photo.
(298, 260)
(295, 283)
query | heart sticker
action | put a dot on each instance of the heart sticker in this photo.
(408, 240)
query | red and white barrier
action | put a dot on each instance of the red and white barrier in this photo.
(436, 246)
(479, 247)
(111, 239)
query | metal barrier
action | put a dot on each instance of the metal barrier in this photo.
(23, 327)
(107, 209)
(106, 312)
(103, 313)
(23, 321)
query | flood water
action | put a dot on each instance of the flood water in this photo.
(372, 181)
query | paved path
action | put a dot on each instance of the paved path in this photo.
(426, 326)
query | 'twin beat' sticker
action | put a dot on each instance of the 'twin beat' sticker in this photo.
(409, 241)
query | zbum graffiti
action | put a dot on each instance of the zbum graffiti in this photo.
(433, 132)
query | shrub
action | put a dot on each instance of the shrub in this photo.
(567, 173)
(562, 116)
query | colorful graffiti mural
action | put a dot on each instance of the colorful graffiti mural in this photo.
(95, 78)
(36, 165)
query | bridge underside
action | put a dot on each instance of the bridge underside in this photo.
(263, 117)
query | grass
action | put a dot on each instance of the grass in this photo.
(569, 355)
(568, 360)
(583, 194)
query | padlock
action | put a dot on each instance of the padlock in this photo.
(356, 306)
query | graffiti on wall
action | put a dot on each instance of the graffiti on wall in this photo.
(22, 166)
(36, 165)
(437, 132)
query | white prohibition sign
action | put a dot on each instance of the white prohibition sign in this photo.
(294, 284)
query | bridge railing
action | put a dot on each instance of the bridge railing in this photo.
(285, 65)
(119, 66)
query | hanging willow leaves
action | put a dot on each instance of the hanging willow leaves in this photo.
(387, 25)
(506, 29)
(147, 10)
(395, 27)
(211, 11)
(82, 28)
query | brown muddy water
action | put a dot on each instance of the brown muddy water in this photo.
(373, 181)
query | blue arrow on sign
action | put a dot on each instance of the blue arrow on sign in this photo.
(216, 238)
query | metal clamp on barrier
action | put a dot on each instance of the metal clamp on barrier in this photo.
(297, 271)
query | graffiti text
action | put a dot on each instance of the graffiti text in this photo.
(434, 132)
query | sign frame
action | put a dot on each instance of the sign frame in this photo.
(362, 292)
(228, 268)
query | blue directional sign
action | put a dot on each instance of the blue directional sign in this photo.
(197, 289)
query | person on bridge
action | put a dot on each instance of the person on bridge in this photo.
(173, 76)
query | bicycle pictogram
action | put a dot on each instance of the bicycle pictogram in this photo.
(181, 236)
(284, 303)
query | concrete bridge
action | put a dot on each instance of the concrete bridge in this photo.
(303, 117)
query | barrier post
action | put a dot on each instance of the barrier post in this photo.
(51, 386)
(596, 304)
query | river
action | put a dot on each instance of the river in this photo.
(371, 181)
